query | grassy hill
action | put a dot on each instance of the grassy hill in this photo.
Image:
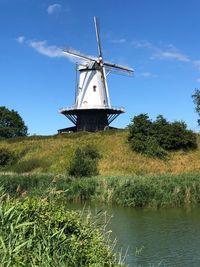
(52, 154)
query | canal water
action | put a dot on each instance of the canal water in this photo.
(164, 237)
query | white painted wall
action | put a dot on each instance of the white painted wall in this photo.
(91, 92)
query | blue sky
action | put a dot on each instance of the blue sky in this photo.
(159, 39)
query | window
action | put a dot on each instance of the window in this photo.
(94, 88)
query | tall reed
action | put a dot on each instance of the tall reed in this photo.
(36, 232)
(135, 191)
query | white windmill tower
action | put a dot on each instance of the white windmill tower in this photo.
(92, 110)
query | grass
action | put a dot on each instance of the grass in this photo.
(52, 154)
(137, 191)
(37, 232)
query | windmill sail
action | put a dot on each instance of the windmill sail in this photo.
(79, 56)
(98, 36)
(116, 67)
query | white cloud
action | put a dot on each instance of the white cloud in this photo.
(42, 47)
(170, 52)
(47, 50)
(171, 55)
(51, 51)
(142, 44)
(55, 8)
(20, 39)
(118, 41)
(147, 74)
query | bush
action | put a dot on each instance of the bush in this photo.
(6, 157)
(85, 162)
(155, 138)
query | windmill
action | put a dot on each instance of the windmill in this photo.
(92, 110)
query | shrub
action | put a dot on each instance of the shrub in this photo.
(84, 162)
(6, 157)
(155, 138)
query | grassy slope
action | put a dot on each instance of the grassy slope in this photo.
(55, 152)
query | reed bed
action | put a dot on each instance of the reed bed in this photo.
(132, 191)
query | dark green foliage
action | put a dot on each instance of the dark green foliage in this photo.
(155, 138)
(11, 124)
(154, 149)
(173, 135)
(196, 99)
(7, 157)
(35, 232)
(84, 162)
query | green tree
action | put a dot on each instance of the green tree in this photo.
(196, 99)
(11, 124)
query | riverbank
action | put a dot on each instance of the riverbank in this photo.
(52, 154)
(134, 191)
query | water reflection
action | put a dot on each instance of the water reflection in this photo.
(165, 237)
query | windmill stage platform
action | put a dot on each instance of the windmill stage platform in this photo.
(90, 119)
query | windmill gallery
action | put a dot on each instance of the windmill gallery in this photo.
(92, 110)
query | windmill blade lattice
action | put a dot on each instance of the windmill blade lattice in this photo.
(98, 37)
(118, 68)
(75, 54)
